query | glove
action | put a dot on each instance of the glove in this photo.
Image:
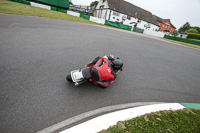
(96, 59)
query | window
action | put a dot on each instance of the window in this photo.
(101, 7)
(148, 25)
(128, 17)
(139, 21)
(115, 13)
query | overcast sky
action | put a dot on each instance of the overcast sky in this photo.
(178, 11)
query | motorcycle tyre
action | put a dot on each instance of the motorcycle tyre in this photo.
(69, 78)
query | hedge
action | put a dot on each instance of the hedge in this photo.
(193, 36)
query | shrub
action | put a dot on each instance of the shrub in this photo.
(193, 36)
(192, 30)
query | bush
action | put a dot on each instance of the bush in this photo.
(192, 30)
(175, 33)
(193, 36)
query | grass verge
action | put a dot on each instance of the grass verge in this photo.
(180, 121)
(10, 7)
(187, 44)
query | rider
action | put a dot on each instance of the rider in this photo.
(104, 70)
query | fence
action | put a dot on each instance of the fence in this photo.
(82, 15)
(135, 29)
(56, 3)
(21, 1)
(183, 40)
(118, 25)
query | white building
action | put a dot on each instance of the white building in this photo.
(126, 13)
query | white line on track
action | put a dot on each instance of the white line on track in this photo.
(105, 121)
(77, 118)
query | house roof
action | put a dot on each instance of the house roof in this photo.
(184, 33)
(162, 20)
(131, 10)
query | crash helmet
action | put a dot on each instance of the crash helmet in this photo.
(117, 64)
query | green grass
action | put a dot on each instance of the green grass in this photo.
(187, 44)
(180, 121)
(9, 7)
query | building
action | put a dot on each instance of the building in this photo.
(126, 13)
(183, 34)
(165, 25)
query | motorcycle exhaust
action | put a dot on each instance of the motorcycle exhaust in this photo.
(77, 83)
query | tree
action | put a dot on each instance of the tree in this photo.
(94, 4)
(175, 33)
(70, 2)
(197, 28)
(191, 30)
(185, 27)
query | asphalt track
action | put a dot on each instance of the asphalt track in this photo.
(36, 54)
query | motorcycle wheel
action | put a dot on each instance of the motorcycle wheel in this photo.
(69, 78)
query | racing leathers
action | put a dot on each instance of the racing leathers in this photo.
(102, 71)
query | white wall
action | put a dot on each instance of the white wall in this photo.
(152, 26)
(97, 20)
(40, 5)
(73, 13)
(153, 33)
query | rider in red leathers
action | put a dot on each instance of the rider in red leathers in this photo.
(104, 70)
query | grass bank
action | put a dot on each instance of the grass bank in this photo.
(10, 7)
(186, 44)
(180, 121)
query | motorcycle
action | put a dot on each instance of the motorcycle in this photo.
(82, 75)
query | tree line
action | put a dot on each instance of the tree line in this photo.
(189, 29)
